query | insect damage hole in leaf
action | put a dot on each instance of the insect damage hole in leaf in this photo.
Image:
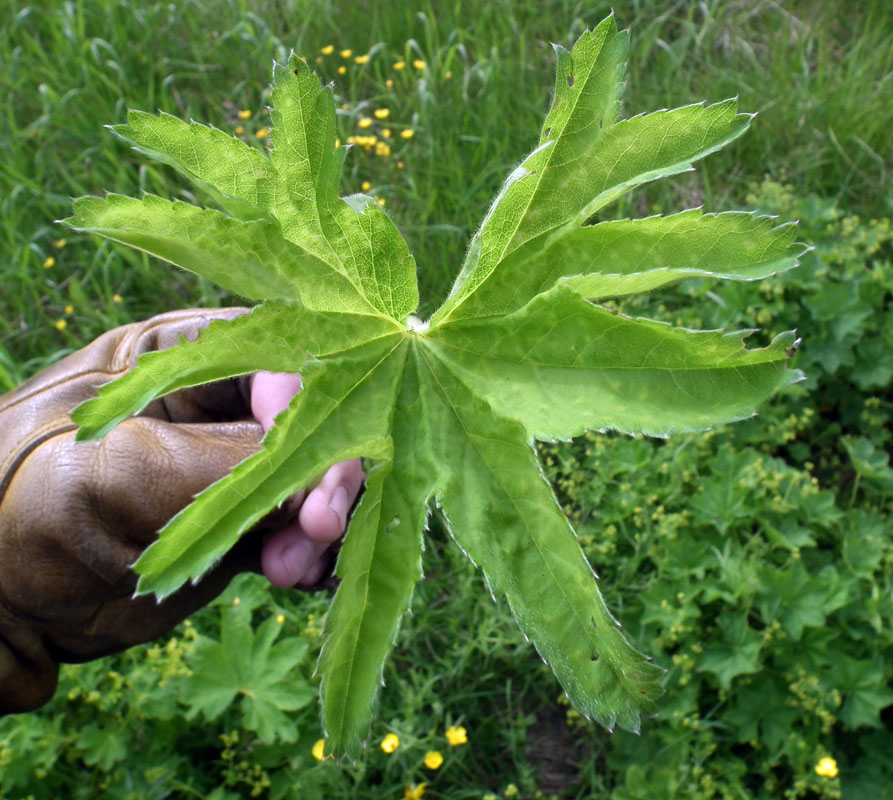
(445, 411)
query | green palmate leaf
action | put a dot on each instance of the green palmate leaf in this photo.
(447, 410)
(252, 666)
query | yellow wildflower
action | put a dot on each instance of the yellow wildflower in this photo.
(60, 324)
(244, 114)
(116, 298)
(827, 768)
(280, 619)
(346, 53)
(386, 133)
(448, 74)
(399, 64)
(361, 59)
(319, 750)
(400, 165)
(263, 133)
(49, 262)
(328, 50)
(365, 122)
(433, 759)
(381, 113)
(456, 735)
(389, 83)
(69, 309)
(380, 201)
(365, 186)
(382, 149)
(407, 134)
(239, 130)
(510, 791)
(414, 792)
(60, 243)
(317, 60)
(342, 70)
(390, 743)
(419, 64)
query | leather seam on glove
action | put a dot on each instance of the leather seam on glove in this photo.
(11, 468)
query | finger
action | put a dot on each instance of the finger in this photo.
(287, 556)
(294, 555)
(271, 393)
(323, 515)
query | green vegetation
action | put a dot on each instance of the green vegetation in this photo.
(754, 562)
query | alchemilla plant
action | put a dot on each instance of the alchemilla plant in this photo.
(446, 410)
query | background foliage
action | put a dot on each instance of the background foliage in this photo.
(754, 562)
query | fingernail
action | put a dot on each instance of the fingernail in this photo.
(340, 504)
(296, 559)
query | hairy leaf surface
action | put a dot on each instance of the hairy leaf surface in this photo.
(446, 411)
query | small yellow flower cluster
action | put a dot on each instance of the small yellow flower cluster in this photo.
(366, 142)
(390, 743)
(827, 768)
(456, 735)
(414, 792)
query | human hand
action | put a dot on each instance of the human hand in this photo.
(75, 516)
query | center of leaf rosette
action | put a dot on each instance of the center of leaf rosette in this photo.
(416, 325)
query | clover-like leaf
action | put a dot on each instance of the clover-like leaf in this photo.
(447, 410)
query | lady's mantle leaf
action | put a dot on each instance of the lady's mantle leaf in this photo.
(251, 665)
(447, 410)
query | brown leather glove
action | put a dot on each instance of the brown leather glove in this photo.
(74, 517)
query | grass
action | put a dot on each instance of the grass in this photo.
(819, 75)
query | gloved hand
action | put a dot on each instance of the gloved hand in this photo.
(75, 517)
